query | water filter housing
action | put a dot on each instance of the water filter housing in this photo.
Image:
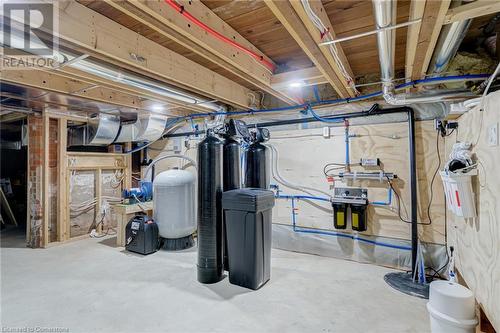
(210, 246)
(174, 207)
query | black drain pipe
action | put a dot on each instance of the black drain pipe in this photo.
(374, 111)
(413, 187)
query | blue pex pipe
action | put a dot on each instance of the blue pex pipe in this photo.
(381, 203)
(469, 77)
(332, 233)
(347, 157)
(305, 197)
(354, 237)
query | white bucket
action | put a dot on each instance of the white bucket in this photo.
(451, 308)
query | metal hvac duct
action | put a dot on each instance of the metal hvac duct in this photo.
(450, 38)
(111, 72)
(101, 130)
(147, 128)
(384, 12)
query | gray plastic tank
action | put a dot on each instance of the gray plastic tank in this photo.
(174, 208)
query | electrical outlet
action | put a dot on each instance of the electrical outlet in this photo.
(493, 135)
(326, 132)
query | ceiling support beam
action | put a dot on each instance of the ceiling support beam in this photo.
(432, 22)
(102, 37)
(52, 82)
(147, 96)
(166, 21)
(472, 10)
(416, 12)
(286, 14)
(319, 10)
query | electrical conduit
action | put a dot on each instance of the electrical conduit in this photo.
(260, 59)
(434, 80)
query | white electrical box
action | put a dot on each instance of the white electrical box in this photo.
(326, 132)
(370, 162)
(493, 135)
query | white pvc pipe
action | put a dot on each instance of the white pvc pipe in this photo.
(193, 162)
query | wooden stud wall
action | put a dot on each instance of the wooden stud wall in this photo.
(68, 162)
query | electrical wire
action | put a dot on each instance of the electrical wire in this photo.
(338, 166)
(139, 202)
(433, 179)
(276, 175)
(148, 169)
(483, 98)
(259, 58)
(325, 32)
(107, 231)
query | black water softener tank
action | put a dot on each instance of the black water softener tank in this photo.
(256, 161)
(210, 265)
(231, 179)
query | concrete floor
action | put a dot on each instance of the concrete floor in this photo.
(90, 285)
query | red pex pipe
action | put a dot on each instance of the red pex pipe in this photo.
(223, 38)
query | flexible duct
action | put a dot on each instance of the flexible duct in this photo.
(148, 128)
(99, 130)
(385, 15)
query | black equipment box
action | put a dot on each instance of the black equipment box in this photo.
(248, 218)
(141, 235)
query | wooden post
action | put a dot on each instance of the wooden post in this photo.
(62, 202)
(45, 177)
(127, 182)
(98, 208)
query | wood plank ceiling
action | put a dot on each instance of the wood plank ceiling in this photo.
(255, 22)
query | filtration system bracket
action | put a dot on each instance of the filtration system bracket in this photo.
(351, 195)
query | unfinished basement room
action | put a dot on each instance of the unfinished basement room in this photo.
(250, 166)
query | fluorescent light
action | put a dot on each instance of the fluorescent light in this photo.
(296, 84)
(157, 107)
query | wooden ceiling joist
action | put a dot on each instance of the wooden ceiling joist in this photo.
(319, 10)
(308, 76)
(166, 21)
(286, 14)
(412, 36)
(472, 10)
(104, 38)
(75, 74)
(52, 82)
(432, 22)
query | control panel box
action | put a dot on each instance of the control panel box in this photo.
(370, 162)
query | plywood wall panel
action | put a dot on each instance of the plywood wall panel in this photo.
(302, 160)
(477, 241)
